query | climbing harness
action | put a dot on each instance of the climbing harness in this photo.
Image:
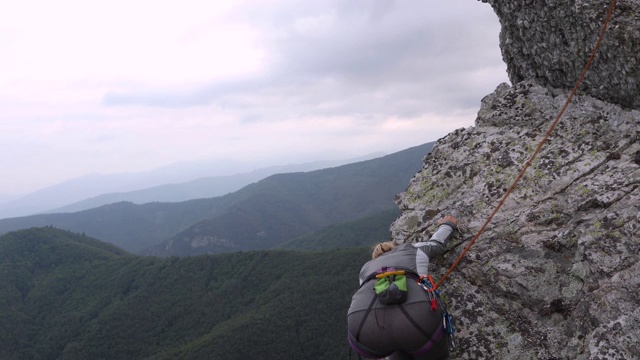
(391, 289)
(537, 150)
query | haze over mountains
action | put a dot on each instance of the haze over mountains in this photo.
(259, 216)
(67, 295)
(177, 182)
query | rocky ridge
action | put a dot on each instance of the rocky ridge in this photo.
(556, 274)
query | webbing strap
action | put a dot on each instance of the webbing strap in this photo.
(355, 344)
(430, 344)
(407, 272)
(364, 318)
(362, 350)
(413, 322)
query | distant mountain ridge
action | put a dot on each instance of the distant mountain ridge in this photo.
(259, 216)
(177, 182)
(206, 187)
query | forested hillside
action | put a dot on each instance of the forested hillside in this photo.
(259, 216)
(67, 296)
(285, 206)
(362, 232)
(200, 188)
(126, 225)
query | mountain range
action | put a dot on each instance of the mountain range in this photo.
(173, 183)
(68, 295)
(261, 215)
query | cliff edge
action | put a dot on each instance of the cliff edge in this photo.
(556, 273)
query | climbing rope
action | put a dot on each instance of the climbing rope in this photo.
(535, 153)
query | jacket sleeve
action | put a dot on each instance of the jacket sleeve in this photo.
(436, 246)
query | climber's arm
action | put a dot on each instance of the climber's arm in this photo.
(436, 245)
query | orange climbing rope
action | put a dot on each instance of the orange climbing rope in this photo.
(535, 153)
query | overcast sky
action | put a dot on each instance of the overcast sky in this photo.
(123, 86)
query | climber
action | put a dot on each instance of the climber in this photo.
(410, 329)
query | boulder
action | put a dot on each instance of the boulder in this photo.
(549, 41)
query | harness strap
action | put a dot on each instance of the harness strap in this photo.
(354, 341)
(364, 318)
(391, 271)
(362, 350)
(413, 322)
(430, 344)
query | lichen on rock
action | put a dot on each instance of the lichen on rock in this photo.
(549, 41)
(556, 273)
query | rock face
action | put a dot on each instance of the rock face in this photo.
(556, 274)
(549, 41)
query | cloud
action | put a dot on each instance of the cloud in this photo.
(382, 58)
(128, 86)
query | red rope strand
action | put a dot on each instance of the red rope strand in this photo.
(535, 153)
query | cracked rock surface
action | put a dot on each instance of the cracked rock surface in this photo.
(556, 274)
(549, 41)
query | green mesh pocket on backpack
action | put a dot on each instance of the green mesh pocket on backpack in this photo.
(391, 287)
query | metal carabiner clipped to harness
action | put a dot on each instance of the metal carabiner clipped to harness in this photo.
(426, 282)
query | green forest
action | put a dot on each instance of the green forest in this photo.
(260, 216)
(65, 295)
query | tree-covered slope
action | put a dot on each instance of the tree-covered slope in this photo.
(126, 225)
(200, 188)
(66, 296)
(362, 232)
(259, 216)
(282, 207)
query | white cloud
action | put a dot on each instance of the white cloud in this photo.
(112, 86)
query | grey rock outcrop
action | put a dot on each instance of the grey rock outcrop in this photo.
(549, 41)
(556, 274)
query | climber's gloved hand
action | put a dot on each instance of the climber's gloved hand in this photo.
(449, 220)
